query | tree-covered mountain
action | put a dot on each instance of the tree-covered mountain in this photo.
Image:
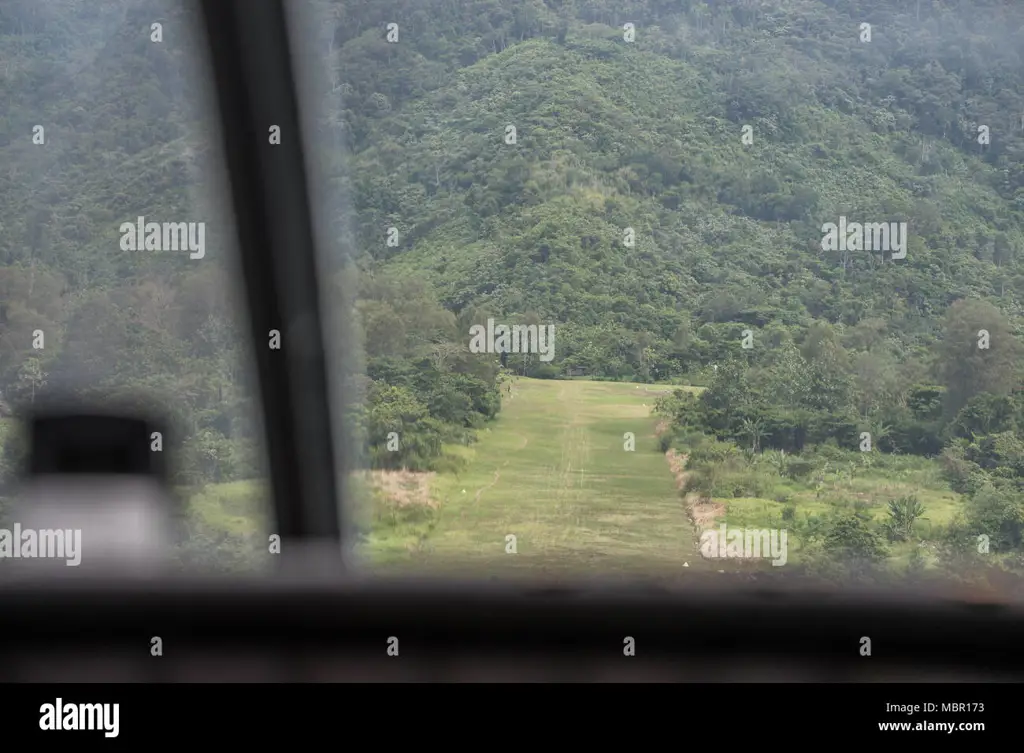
(652, 177)
(647, 135)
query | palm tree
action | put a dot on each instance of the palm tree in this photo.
(779, 460)
(902, 514)
(879, 431)
(754, 428)
(700, 10)
(31, 376)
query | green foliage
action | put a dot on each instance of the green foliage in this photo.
(903, 513)
(999, 514)
(958, 469)
(610, 135)
(726, 235)
(678, 406)
(852, 543)
(971, 366)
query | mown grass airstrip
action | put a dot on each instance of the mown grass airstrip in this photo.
(554, 472)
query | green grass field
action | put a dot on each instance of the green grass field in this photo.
(555, 472)
(870, 489)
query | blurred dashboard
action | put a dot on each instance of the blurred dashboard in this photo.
(306, 630)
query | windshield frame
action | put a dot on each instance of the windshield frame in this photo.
(250, 63)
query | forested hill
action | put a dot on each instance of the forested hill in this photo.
(721, 136)
(649, 135)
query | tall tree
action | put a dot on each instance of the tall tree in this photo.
(978, 353)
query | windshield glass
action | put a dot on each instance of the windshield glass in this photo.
(633, 288)
(659, 288)
(117, 276)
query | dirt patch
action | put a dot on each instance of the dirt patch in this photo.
(701, 511)
(677, 464)
(404, 488)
